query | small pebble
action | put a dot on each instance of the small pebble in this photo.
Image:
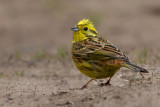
(10, 98)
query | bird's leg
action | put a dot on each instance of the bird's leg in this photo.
(85, 85)
(107, 83)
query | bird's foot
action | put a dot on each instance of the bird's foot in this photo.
(105, 84)
(83, 87)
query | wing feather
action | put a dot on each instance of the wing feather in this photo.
(97, 49)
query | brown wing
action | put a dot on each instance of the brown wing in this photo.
(98, 49)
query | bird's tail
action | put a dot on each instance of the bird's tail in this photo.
(134, 67)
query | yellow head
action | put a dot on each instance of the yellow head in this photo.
(83, 30)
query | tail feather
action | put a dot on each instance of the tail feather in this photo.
(135, 67)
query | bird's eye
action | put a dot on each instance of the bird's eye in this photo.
(85, 29)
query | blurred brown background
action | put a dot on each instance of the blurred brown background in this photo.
(36, 25)
(36, 68)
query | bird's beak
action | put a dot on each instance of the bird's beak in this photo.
(75, 28)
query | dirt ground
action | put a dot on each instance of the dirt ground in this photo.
(36, 68)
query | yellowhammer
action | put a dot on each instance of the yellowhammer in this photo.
(95, 56)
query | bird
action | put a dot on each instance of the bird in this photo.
(95, 56)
